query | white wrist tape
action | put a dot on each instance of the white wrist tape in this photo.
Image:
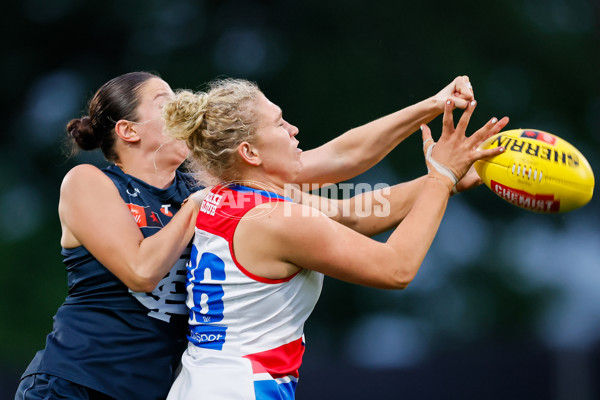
(442, 169)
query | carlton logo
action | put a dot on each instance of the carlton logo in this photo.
(534, 202)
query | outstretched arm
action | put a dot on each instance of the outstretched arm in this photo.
(368, 213)
(377, 211)
(360, 148)
(291, 240)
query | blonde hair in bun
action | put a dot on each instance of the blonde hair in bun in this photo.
(214, 123)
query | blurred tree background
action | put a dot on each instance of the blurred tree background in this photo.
(506, 304)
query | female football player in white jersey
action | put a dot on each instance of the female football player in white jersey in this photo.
(258, 259)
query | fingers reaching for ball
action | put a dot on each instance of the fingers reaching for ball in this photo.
(455, 152)
(491, 128)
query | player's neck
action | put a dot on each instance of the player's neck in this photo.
(160, 177)
(269, 186)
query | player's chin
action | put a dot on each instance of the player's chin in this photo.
(182, 152)
(298, 156)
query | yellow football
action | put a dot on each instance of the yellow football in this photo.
(538, 171)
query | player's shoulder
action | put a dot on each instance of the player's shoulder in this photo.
(84, 176)
(287, 209)
(279, 217)
(83, 170)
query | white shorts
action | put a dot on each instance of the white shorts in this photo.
(208, 374)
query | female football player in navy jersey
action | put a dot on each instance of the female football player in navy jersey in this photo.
(258, 259)
(122, 328)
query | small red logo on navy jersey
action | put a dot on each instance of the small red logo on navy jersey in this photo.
(144, 217)
(165, 210)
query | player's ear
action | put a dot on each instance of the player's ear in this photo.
(126, 131)
(249, 154)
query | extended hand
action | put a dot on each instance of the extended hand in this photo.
(455, 153)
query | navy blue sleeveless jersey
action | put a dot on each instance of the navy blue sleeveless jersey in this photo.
(124, 344)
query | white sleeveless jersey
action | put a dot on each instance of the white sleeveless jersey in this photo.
(246, 332)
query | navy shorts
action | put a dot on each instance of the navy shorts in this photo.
(46, 387)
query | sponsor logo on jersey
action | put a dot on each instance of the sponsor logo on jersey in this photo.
(165, 210)
(135, 193)
(144, 217)
(210, 203)
(208, 336)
